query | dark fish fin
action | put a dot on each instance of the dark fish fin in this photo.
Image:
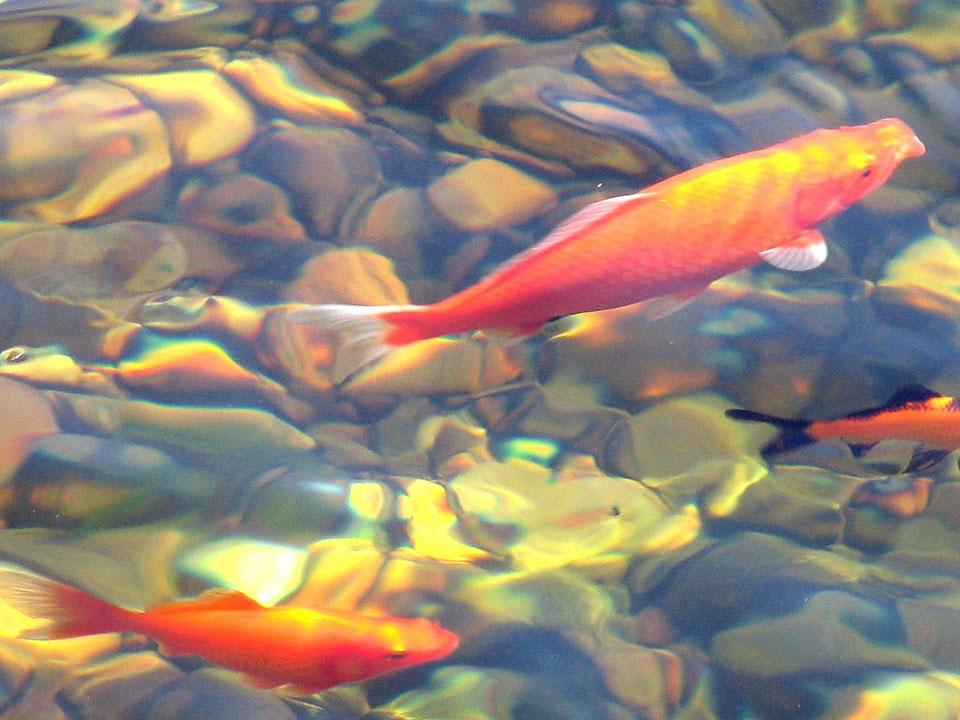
(860, 449)
(793, 433)
(910, 394)
(925, 458)
(903, 396)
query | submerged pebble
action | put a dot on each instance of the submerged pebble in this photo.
(484, 195)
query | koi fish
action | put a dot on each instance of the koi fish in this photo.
(913, 412)
(308, 648)
(668, 241)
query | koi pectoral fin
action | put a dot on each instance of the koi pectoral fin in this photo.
(660, 307)
(512, 335)
(806, 252)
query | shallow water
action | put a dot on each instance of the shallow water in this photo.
(178, 177)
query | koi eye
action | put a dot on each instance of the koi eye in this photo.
(867, 172)
(15, 355)
(400, 655)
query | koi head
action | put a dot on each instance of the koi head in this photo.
(392, 644)
(842, 166)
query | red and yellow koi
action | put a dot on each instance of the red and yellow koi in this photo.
(310, 649)
(668, 241)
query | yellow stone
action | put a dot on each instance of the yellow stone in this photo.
(486, 194)
(207, 119)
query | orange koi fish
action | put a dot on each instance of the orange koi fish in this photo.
(668, 241)
(914, 412)
(308, 648)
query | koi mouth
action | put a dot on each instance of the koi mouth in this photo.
(912, 147)
(895, 134)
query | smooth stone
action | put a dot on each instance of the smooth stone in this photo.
(81, 149)
(207, 119)
(124, 259)
(17, 665)
(833, 634)
(265, 571)
(694, 422)
(555, 18)
(243, 206)
(286, 84)
(127, 566)
(741, 575)
(809, 14)
(39, 697)
(744, 27)
(395, 224)
(216, 26)
(25, 417)
(922, 277)
(931, 627)
(31, 36)
(16, 84)
(556, 522)
(425, 76)
(216, 695)
(553, 120)
(693, 54)
(439, 366)
(461, 693)
(650, 681)
(485, 194)
(348, 275)
(115, 687)
(769, 506)
(234, 439)
(324, 169)
(397, 432)
(591, 348)
(933, 695)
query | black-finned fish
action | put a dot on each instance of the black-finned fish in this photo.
(913, 412)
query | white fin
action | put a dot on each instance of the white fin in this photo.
(806, 252)
(30, 594)
(362, 326)
(660, 307)
(70, 611)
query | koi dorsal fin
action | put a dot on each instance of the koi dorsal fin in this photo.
(578, 222)
(216, 599)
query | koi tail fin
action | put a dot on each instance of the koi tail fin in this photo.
(71, 612)
(370, 332)
(793, 433)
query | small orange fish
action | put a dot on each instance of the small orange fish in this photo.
(307, 648)
(668, 242)
(914, 412)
